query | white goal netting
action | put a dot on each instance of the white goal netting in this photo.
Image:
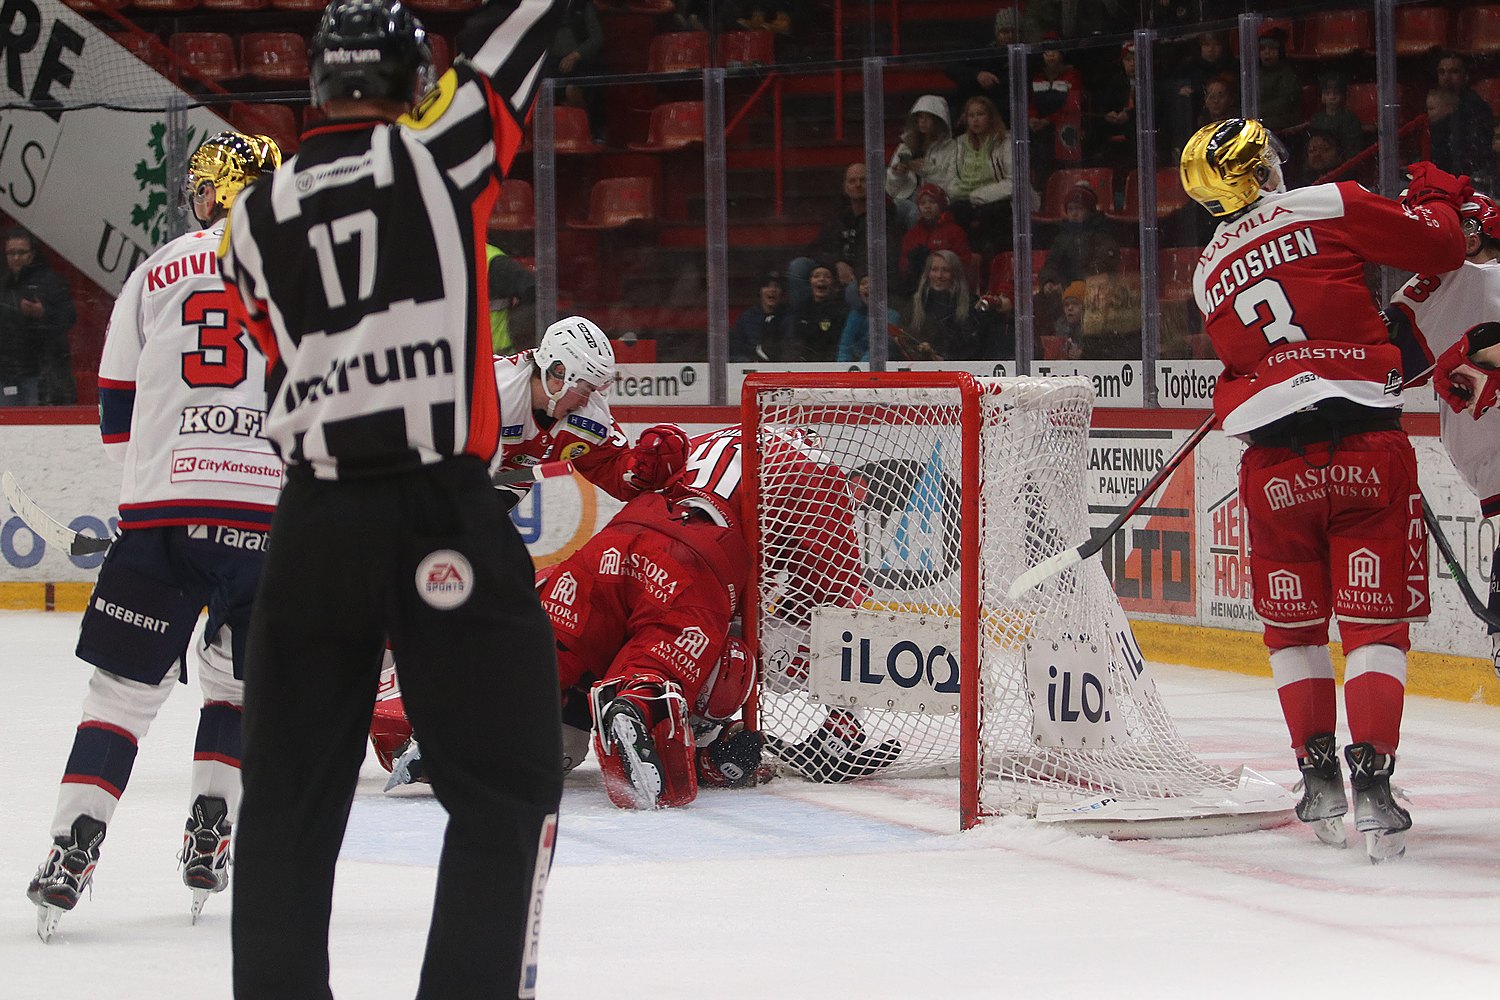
(867, 678)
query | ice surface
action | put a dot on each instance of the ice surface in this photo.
(803, 891)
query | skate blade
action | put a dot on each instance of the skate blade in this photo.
(1383, 846)
(1330, 831)
(645, 780)
(200, 896)
(47, 919)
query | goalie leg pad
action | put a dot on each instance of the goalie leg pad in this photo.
(389, 730)
(729, 684)
(643, 741)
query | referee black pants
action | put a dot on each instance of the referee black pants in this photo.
(351, 563)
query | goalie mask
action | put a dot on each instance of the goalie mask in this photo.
(575, 353)
(368, 49)
(229, 161)
(1227, 166)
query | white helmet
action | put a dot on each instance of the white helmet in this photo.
(576, 351)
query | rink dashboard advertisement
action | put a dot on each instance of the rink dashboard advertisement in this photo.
(1184, 558)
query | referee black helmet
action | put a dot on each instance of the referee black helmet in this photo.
(367, 49)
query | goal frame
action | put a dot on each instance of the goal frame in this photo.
(970, 424)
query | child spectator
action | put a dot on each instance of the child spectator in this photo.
(1083, 244)
(1056, 112)
(813, 327)
(976, 174)
(928, 130)
(1334, 115)
(1280, 90)
(1069, 326)
(935, 230)
(766, 316)
(854, 345)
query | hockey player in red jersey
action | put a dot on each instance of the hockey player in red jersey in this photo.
(181, 402)
(554, 407)
(1329, 481)
(1446, 321)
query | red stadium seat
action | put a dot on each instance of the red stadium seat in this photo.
(1336, 34)
(674, 125)
(207, 54)
(1169, 196)
(678, 52)
(1478, 30)
(1001, 281)
(570, 130)
(515, 208)
(274, 55)
(618, 201)
(1419, 30)
(275, 120)
(1099, 179)
(747, 48)
(164, 6)
(147, 48)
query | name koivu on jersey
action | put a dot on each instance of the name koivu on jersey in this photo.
(398, 367)
(173, 271)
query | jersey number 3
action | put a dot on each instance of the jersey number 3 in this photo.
(221, 357)
(1265, 305)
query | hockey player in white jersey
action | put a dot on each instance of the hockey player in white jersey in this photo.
(1448, 322)
(181, 401)
(554, 406)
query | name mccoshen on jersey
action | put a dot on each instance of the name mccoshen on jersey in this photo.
(395, 364)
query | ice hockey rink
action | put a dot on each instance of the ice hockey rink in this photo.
(797, 890)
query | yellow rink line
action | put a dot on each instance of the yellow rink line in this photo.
(1436, 675)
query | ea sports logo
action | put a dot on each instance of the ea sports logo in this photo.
(445, 579)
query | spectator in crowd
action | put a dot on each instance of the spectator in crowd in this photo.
(1280, 90)
(1487, 178)
(1084, 244)
(1070, 19)
(36, 313)
(1211, 60)
(976, 174)
(1465, 143)
(935, 230)
(1056, 112)
(813, 326)
(941, 323)
(987, 75)
(842, 241)
(766, 316)
(854, 345)
(928, 132)
(1221, 100)
(783, 18)
(1320, 156)
(1111, 133)
(1334, 116)
(577, 50)
(1068, 327)
(512, 303)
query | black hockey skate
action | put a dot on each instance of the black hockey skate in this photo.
(1324, 802)
(205, 850)
(68, 870)
(835, 751)
(628, 739)
(1376, 814)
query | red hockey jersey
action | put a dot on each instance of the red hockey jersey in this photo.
(1283, 294)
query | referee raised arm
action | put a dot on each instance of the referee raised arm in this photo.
(360, 271)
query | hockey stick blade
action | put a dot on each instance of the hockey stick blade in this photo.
(51, 530)
(1480, 609)
(532, 473)
(1054, 564)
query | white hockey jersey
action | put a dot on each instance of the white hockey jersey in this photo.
(182, 397)
(590, 437)
(1441, 308)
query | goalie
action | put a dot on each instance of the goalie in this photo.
(1432, 320)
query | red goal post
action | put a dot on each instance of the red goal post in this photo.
(887, 514)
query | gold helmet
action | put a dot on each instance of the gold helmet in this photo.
(1225, 165)
(229, 161)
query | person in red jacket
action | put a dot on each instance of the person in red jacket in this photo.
(935, 230)
(1329, 481)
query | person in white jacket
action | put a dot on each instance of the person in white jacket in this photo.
(928, 133)
(976, 172)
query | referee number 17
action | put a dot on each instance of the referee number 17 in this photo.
(360, 228)
(1265, 305)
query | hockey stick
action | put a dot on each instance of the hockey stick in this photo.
(1480, 609)
(532, 473)
(45, 525)
(1056, 563)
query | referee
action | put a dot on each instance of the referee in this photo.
(360, 271)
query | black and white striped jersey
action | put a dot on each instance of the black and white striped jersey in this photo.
(359, 267)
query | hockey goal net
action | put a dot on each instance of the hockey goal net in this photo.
(891, 513)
